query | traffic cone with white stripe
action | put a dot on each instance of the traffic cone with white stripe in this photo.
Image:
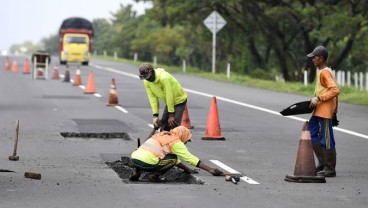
(113, 98)
(6, 64)
(26, 67)
(55, 74)
(15, 66)
(67, 75)
(305, 167)
(77, 78)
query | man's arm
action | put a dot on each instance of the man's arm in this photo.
(328, 82)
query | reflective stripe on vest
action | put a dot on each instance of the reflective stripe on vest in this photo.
(160, 145)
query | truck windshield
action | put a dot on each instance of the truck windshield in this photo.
(76, 40)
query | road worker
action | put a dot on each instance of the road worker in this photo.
(324, 117)
(160, 84)
(160, 153)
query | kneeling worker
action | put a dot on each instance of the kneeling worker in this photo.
(160, 153)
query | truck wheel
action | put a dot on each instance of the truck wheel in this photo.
(85, 63)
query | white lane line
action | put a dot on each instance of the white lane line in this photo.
(240, 103)
(230, 170)
(97, 95)
(121, 109)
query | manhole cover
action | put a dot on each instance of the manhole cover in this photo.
(108, 135)
(175, 175)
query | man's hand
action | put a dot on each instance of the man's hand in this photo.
(191, 171)
(313, 102)
(171, 121)
(156, 122)
(216, 172)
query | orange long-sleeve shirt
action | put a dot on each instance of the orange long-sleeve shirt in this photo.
(327, 90)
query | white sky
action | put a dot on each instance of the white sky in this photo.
(22, 20)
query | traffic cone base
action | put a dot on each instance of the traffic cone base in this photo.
(90, 88)
(213, 130)
(305, 168)
(185, 121)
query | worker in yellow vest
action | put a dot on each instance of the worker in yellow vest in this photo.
(160, 153)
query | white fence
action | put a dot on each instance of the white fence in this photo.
(344, 79)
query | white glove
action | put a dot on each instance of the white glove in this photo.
(156, 122)
(313, 102)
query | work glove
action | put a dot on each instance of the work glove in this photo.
(335, 122)
(313, 102)
(171, 121)
(216, 172)
(156, 122)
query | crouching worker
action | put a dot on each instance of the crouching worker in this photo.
(160, 153)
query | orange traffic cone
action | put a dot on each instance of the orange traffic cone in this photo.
(26, 67)
(67, 75)
(15, 66)
(55, 74)
(113, 98)
(185, 121)
(7, 65)
(213, 130)
(305, 167)
(77, 78)
(90, 88)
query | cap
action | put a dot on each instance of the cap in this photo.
(144, 70)
(319, 51)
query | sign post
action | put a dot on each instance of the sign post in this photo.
(214, 22)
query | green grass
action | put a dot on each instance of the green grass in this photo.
(347, 94)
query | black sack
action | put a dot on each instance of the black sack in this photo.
(297, 108)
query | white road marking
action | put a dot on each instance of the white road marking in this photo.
(97, 95)
(237, 103)
(230, 170)
(121, 109)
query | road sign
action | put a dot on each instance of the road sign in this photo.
(214, 22)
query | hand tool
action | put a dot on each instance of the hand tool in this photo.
(14, 157)
(36, 176)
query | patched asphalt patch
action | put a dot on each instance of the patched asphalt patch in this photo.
(104, 135)
(175, 175)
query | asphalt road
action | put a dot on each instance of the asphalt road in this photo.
(260, 143)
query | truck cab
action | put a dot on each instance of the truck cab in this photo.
(75, 48)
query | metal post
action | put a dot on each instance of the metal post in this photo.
(214, 44)
(228, 70)
(305, 78)
(135, 57)
(155, 61)
(184, 66)
(361, 80)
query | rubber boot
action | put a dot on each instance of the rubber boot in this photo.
(156, 176)
(317, 148)
(135, 175)
(330, 162)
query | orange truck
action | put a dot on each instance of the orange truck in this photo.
(75, 40)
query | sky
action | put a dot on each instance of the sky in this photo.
(32, 20)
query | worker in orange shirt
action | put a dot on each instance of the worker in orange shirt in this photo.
(324, 118)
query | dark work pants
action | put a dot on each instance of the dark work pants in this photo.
(179, 110)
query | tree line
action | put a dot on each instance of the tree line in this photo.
(261, 38)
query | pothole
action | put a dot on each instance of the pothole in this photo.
(175, 175)
(104, 135)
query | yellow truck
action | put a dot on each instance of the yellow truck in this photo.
(75, 41)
